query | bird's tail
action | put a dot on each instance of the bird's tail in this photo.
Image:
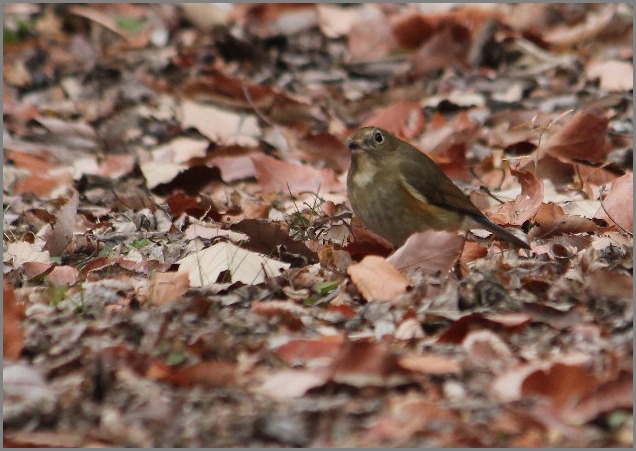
(500, 232)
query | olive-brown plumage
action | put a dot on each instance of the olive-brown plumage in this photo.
(396, 191)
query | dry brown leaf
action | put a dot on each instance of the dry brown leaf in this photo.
(525, 206)
(291, 383)
(12, 330)
(311, 353)
(430, 363)
(166, 287)
(288, 312)
(371, 40)
(614, 394)
(377, 279)
(219, 125)
(204, 267)
(207, 374)
(610, 284)
(617, 207)
(583, 137)
(404, 119)
(594, 24)
(367, 363)
(614, 75)
(60, 275)
(62, 234)
(20, 252)
(485, 349)
(430, 251)
(282, 176)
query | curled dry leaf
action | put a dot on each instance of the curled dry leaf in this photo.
(166, 287)
(550, 220)
(377, 279)
(430, 251)
(525, 206)
(62, 233)
(618, 205)
(204, 267)
(485, 349)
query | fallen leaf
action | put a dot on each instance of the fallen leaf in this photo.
(62, 234)
(525, 205)
(166, 287)
(431, 251)
(59, 275)
(207, 374)
(366, 363)
(311, 353)
(205, 266)
(12, 330)
(219, 125)
(377, 279)
(614, 75)
(583, 137)
(617, 207)
(291, 383)
(430, 363)
(21, 252)
(285, 177)
(403, 118)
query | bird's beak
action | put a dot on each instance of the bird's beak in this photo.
(354, 144)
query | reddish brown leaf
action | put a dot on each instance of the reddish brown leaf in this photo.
(284, 177)
(377, 279)
(431, 251)
(525, 206)
(562, 384)
(617, 207)
(317, 352)
(207, 374)
(367, 363)
(60, 275)
(430, 363)
(614, 394)
(583, 137)
(404, 119)
(288, 313)
(62, 234)
(12, 331)
(293, 383)
(166, 287)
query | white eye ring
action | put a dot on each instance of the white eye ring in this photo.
(378, 137)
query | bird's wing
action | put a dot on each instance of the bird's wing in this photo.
(437, 189)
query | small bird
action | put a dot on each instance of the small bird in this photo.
(396, 191)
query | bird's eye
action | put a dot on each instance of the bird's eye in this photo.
(378, 137)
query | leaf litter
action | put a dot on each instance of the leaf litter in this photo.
(181, 267)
